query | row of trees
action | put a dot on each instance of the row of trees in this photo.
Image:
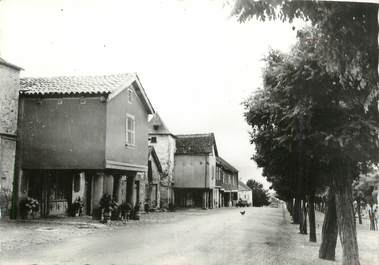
(315, 122)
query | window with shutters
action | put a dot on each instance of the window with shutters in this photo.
(130, 130)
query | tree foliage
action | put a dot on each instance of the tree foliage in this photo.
(365, 185)
(260, 195)
(348, 32)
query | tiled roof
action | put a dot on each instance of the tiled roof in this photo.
(3, 62)
(226, 165)
(104, 84)
(243, 187)
(157, 126)
(195, 144)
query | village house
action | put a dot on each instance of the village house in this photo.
(164, 144)
(9, 91)
(153, 183)
(227, 183)
(82, 137)
(194, 171)
(245, 193)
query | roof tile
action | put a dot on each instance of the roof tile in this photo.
(195, 144)
(104, 84)
(226, 165)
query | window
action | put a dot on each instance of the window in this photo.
(153, 139)
(130, 130)
(130, 95)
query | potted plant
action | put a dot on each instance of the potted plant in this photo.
(77, 207)
(125, 209)
(135, 214)
(107, 205)
(28, 207)
(146, 206)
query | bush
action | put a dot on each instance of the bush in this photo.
(77, 206)
(27, 205)
(125, 209)
(107, 203)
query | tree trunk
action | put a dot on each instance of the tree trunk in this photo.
(296, 211)
(371, 217)
(305, 214)
(290, 207)
(303, 218)
(345, 215)
(312, 219)
(329, 230)
(359, 211)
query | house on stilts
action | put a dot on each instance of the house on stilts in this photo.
(82, 137)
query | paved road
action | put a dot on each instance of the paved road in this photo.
(220, 236)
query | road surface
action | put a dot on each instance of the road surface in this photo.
(219, 236)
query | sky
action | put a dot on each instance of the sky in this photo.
(196, 62)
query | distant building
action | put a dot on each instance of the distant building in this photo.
(227, 183)
(164, 144)
(82, 137)
(195, 171)
(153, 181)
(245, 193)
(9, 91)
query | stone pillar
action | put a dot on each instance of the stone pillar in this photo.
(108, 184)
(130, 188)
(98, 189)
(117, 189)
(211, 199)
(205, 199)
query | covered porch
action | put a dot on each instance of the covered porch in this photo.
(57, 190)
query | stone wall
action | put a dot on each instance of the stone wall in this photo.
(9, 90)
(165, 147)
(150, 196)
(10, 86)
(7, 156)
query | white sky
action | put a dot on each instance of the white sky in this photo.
(197, 64)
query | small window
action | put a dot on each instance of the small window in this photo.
(153, 139)
(130, 95)
(130, 130)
